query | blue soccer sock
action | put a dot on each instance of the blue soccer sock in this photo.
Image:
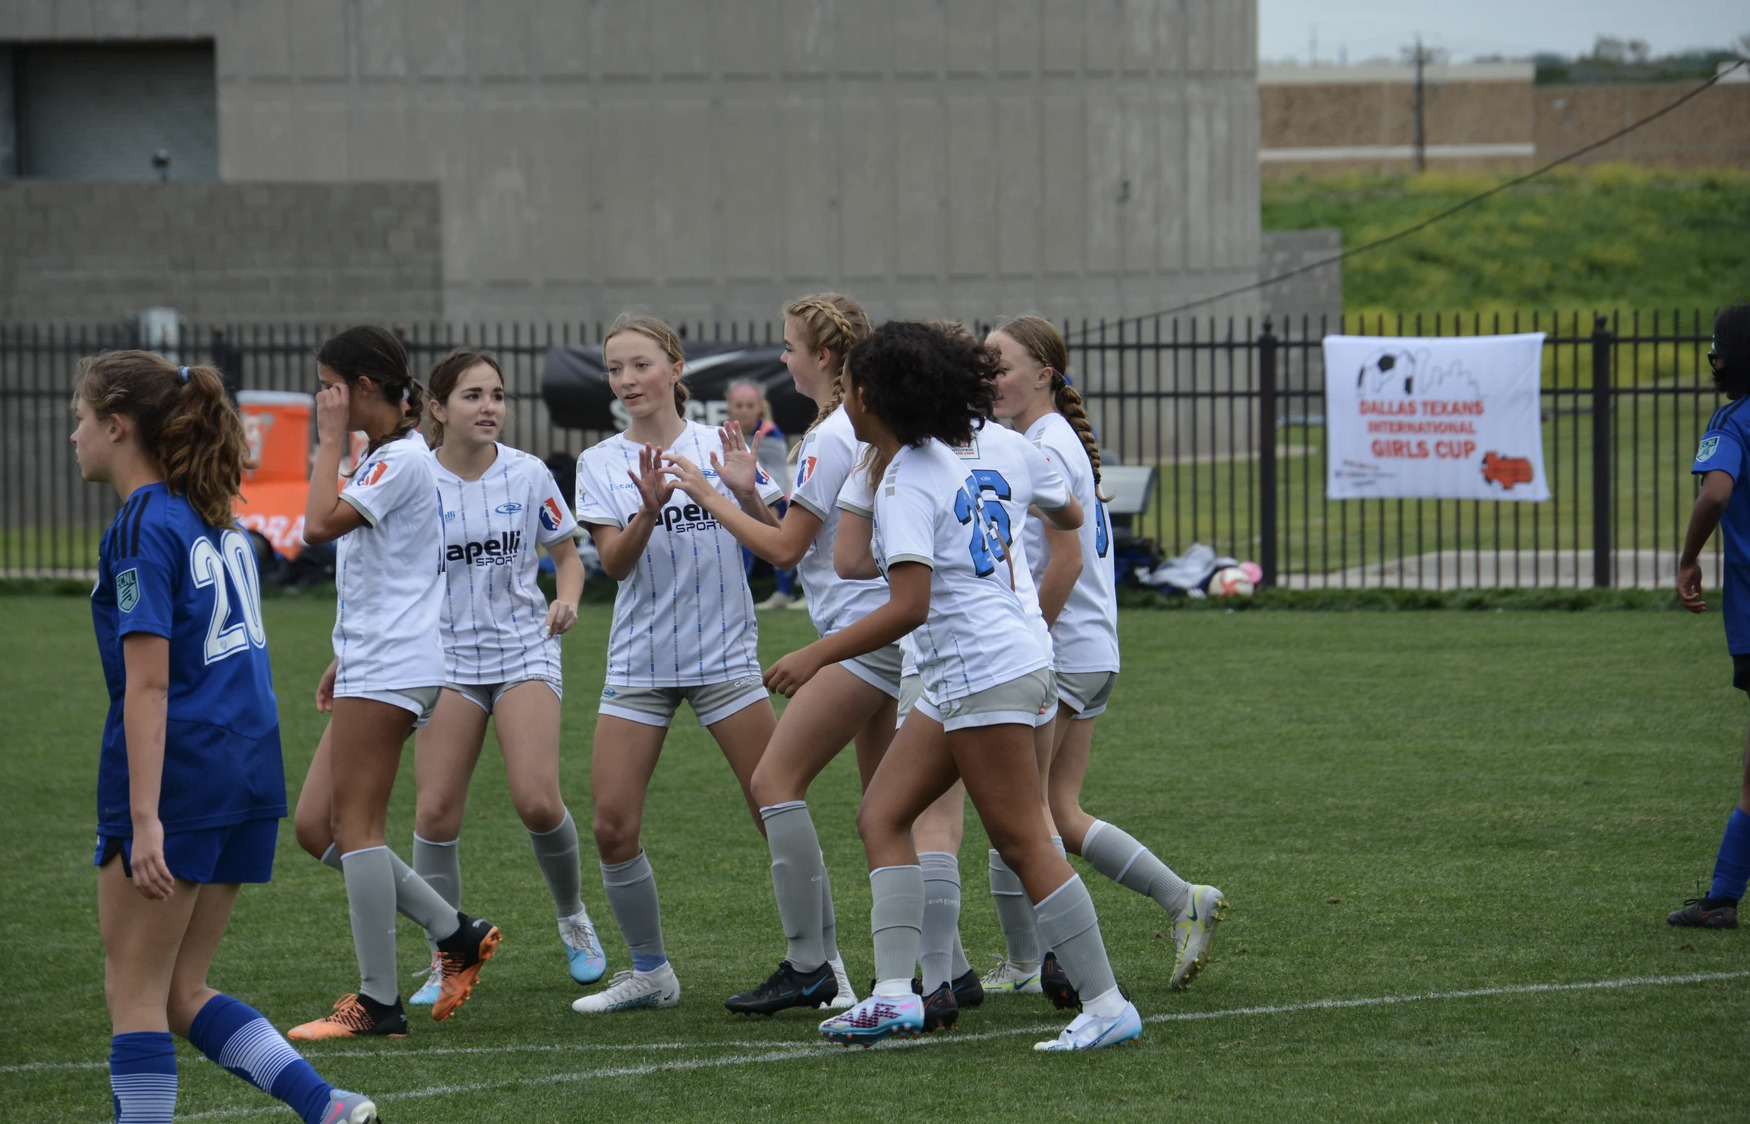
(1732, 868)
(235, 1035)
(142, 1077)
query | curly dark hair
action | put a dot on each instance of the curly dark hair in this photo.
(923, 381)
(1732, 343)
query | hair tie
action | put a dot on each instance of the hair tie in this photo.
(182, 375)
(1067, 381)
(406, 393)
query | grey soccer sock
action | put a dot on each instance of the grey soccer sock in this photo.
(798, 881)
(413, 897)
(421, 904)
(896, 920)
(440, 864)
(1014, 913)
(556, 855)
(370, 898)
(631, 894)
(941, 932)
(1115, 853)
(1068, 927)
(829, 921)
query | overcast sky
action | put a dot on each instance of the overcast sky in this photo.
(1467, 28)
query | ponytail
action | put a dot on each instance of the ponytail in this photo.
(368, 351)
(1068, 401)
(1040, 339)
(182, 420)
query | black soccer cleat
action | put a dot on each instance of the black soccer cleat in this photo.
(1054, 982)
(787, 987)
(1705, 913)
(941, 1012)
(968, 989)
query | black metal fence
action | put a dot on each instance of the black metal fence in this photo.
(1229, 415)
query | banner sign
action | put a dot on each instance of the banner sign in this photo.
(1436, 418)
(574, 384)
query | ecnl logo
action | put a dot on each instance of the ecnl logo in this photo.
(551, 516)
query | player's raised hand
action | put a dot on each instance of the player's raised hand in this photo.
(1689, 587)
(152, 877)
(333, 411)
(739, 467)
(654, 485)
(689, 477)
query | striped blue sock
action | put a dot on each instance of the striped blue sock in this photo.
(1732, 868)
(142, 1076)
(235, 1035)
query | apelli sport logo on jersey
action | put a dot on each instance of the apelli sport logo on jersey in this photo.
(492, 552)
(375, 473)
(551, 516)
(508, 508)
(127, 590)
(1705, 451)
(690, 517)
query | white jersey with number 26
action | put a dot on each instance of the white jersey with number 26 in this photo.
(927, 509)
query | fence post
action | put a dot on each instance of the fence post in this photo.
(1267, 455)
(1602, 555)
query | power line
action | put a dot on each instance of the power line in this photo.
(1432, 219)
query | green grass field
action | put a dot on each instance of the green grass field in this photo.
(1481, 817)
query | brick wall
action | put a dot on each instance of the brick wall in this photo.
(220, 251)
(1711, 129)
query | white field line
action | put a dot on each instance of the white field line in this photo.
(777, 1052)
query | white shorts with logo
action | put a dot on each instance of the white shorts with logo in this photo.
(1029, 700)
(656, 706)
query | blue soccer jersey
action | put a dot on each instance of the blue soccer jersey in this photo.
(163, 571)
(1723, 449)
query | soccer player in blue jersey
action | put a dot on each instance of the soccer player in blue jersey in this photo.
(190, 784)
(1721, 461)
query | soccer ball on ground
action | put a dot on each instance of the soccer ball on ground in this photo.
(1231, 582)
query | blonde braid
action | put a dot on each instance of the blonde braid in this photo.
(1040, 339)
(837, 323)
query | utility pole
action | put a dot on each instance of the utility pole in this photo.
(1421, 128)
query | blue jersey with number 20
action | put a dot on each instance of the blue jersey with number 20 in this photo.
(162, 571)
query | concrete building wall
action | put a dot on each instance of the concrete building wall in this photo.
(712, 159)
(220, 252)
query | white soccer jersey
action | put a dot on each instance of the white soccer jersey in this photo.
(683, 616)
(927, 509)
(825, 460)
(389, 574)
(494, 613)
(1085, 637)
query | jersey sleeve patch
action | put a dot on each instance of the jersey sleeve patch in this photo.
(1719, 451)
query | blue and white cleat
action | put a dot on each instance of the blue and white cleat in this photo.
(875, 1018)
(582, 947)
(1090, 1032)
(428, 991)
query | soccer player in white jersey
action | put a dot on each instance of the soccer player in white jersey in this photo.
(501, 648)
(683, 628)
(384, 682)
(1035, 393)
(913, 389)
(853, 700)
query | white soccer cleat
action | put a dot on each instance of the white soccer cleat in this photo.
(428, 991)
(874, 1019)
(847, 996)
(775, 601)
(628, 991)
(1009, 978)
(1194, 932)
(1090, 1032)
